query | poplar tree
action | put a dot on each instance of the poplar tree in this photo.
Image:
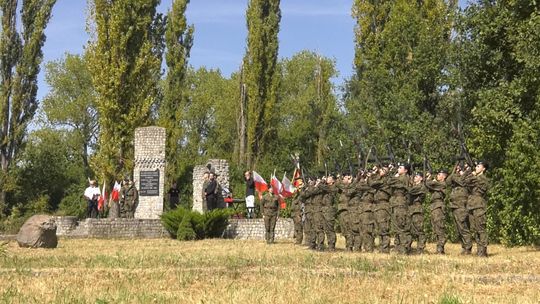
(125, 60)
(20, 57)
(260, 75)
(178, 41)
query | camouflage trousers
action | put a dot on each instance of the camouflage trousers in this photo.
(382, 223)
(461, 218)
(270, 226)
(478, 221)
(438, 223)
(318, 229)
(310, 236)
(417, 230)
(298, 228)
(401, 225)
(345, 225)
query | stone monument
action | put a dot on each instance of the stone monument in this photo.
(219, 166)
(149, 171)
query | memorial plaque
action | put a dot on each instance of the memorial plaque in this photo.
(149, 183)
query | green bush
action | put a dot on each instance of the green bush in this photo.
(185, 224)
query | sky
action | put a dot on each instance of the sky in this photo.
(323, 26)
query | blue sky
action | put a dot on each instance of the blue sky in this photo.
(324, 26)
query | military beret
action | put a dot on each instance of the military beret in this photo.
(442, 170)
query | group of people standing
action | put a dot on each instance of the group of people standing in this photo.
(122, 203)
(388, 200)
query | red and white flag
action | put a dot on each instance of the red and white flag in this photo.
(101, 200)
(297, 177)
(115, 195)
(276, 185)
(260, 184)
(287, 188)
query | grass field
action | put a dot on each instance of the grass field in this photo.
(233, 271)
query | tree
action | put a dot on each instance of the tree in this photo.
(261, 78)
(71, 102)
(20, 57)
(498, 73)
(178, 40)
(399, 88)
(125, 62)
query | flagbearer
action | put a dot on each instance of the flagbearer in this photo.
(270, 205)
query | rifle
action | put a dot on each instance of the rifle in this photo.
(377, 160)
(390, 152)
(427, 166)
(464, 151)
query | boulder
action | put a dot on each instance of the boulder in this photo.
(39, 231)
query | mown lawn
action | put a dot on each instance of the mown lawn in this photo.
(233, 271)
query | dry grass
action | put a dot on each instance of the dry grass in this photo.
(230, 271)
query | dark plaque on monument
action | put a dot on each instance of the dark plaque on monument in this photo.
(149, 183)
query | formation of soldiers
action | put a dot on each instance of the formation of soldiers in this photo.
(389, 201)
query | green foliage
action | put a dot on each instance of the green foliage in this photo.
(261, 75)
(21, 57)
(125, 39)
(449, 299)
(73, 203)
(185, 224)
(178, 40)
(71, 102)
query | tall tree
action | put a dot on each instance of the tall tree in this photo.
(499, 66)
(71, 102)
(400, 58)
(20, 57)
(178, 41)
(260, 72)
(125, 62)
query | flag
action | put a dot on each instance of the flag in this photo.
(101, 201)
(288, 189)
(282, 203)
(297, 178)
(276, 185)
(115, 195)
(260, 184)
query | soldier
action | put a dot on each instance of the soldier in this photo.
(270, 205)
(367, 221)
(307, 195)
(297, 215)
(317, 211)
(437, 188)
(344, 186)
(355, 203)
(328, 211)
(130, 199)
(458, 205)
(400, 214)
(478, 185)
(417, 195)
(381, 207)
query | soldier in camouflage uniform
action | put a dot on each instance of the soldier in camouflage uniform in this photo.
(270, 206)
(318, 216)
(417, 195)
(367, 220)
(343, 210)
(458, 205)
(329, 212)
(400, 214)
(381, 208)
(478, 185)
(129, 199)
(437, 188)
(307, 196)
(297, 214)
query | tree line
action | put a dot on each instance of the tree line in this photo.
(429, 76)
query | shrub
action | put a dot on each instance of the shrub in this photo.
(185, 224)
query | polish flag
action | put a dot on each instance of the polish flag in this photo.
(101, 200)
(276, 185)
(297, 177)
(260, 184)
(115, 195)
(288, 189)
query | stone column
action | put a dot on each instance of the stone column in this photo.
(221, 167)
(149, 171)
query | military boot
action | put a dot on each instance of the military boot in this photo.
(482, 252)
(440, 249)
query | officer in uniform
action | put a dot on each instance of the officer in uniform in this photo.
(328, 210)
(130, 199)
(417, 195)
(399, 201)
(381, 207)
(458, 204)
(437, 187)
(270, 205)
(345, 186)
(297, 213)
(478, 185)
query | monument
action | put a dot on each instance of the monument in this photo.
(149, 171)
(219, 166)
